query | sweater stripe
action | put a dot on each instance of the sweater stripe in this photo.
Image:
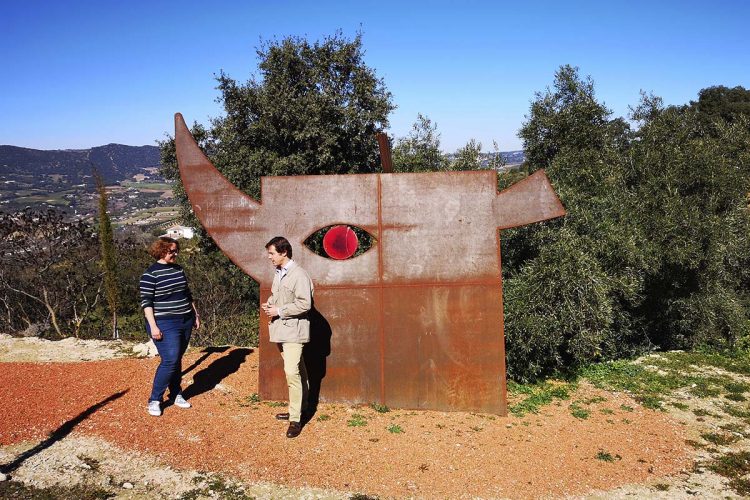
(164, 287)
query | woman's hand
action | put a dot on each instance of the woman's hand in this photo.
(151, 320)
(156, 333)
(197, 322)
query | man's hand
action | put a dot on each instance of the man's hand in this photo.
(270, 310)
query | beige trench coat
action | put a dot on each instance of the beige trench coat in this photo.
(293, 296)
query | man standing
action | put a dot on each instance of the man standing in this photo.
(289, 326)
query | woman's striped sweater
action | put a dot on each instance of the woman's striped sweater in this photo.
(164, 287)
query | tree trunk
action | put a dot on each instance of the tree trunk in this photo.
(52, 315)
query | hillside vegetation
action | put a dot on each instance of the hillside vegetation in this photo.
(654, 251)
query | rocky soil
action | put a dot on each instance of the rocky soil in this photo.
(73, 413)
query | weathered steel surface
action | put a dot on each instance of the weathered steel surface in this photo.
(386, 161)
(415, 322)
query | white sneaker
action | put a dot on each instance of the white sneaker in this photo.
(181, 402)
(154, 408)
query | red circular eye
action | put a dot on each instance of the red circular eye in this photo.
(340, 242)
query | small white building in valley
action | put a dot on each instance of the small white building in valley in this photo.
(179, 232)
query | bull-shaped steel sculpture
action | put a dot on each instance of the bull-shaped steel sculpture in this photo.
(416, 321)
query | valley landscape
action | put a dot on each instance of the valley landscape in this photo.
(138, 194)
(64, 180)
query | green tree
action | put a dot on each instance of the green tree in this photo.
(468, 157)
(312, 108)
(496, 161)
(569, 284)
(722, 104)
(691, 189)
(107, 254)
(563, 118)
(420, 150)
(653, 251)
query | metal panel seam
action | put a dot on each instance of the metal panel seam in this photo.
(381, 294)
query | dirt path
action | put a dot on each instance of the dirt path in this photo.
(98, 407)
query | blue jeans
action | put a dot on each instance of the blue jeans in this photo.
(175, 335)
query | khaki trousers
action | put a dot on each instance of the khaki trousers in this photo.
(296, 378)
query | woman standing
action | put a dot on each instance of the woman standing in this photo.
(170, 318)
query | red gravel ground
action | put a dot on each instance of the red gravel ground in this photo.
(438, 454)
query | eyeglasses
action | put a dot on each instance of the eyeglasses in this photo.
(173, 252)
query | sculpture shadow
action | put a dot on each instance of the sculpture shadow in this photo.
(315, 353)
(209, 377)
(207, 352)
(59, 433)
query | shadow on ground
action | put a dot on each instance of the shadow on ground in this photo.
(207, 351)
(209, 377)
(59, 433)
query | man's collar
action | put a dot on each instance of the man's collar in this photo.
(286, 267)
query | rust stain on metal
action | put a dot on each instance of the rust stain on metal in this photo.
(416, 321)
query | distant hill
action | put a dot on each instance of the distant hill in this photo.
(510, 158)
(513, 157)
(63, 178)
(115, 162)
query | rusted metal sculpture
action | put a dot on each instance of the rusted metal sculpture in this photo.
(384, 147)
(416, 321)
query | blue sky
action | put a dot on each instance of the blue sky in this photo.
(77, 74)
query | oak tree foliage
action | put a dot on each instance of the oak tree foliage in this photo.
(653, 251)
(419, 150)
(719, 104)
(311, 108)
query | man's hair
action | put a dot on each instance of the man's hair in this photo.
(160, 247)
(281, 245)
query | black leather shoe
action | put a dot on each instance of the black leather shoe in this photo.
(294, 429)
(282, 416)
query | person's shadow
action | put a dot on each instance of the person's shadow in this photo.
(207, 351)
(59, 433)
(209, 377)
(314, 354)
